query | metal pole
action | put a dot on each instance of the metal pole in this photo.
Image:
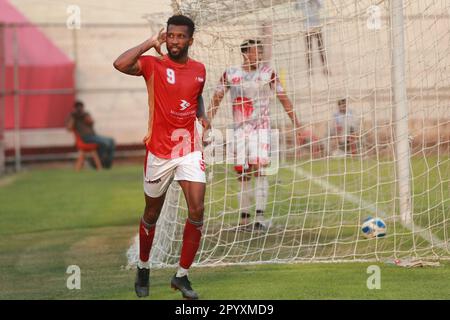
(400, 110)
(2, 98)
(17, 156)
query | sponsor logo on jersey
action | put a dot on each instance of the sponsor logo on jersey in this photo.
(200, 79)
(184, 105)
(153, 181)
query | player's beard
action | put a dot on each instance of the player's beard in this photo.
(182, 52)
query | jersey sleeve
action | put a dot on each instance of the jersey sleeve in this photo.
(147, 66)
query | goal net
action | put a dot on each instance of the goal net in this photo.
(373, 160)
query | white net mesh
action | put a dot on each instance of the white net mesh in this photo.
(317, 202)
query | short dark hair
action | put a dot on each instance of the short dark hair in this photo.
(249, 43)
(180, 20)
(78, 104)
(342, 101)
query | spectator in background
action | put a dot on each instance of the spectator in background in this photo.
(313, 29)
(344, 128)
(82, 123)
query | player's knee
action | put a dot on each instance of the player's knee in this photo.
(150, 218)
(196, 212)
(198, 209)
(150, 214)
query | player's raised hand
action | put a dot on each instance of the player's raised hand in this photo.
(158, 39)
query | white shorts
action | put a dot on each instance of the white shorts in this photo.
(159, 172)
(252, 147)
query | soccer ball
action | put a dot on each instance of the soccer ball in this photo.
(373, 228)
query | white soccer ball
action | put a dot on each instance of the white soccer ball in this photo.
(373, 228)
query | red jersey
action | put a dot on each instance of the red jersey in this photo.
(173, 92)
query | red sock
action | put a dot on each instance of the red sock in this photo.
(191, 242)
(146, 234)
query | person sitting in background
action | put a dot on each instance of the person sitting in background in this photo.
(82, 123)
(344, 128)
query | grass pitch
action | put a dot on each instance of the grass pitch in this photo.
(54, 218)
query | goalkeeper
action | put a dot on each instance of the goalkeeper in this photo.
(251, 86)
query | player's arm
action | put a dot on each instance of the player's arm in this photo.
(288, 107)
(128, 62)
(215, 103)
(285, 101)
(201, 113)
(222, 88)
(302, 136)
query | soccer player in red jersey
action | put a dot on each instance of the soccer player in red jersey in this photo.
(174, 84)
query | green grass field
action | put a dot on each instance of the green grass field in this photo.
(53, 218)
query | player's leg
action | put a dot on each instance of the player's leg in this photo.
(158, 174)
(194, 193)
(245, 195)
(259, 148)
(261, 196)
(147, 228)
(244, 177)
(190, 174)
